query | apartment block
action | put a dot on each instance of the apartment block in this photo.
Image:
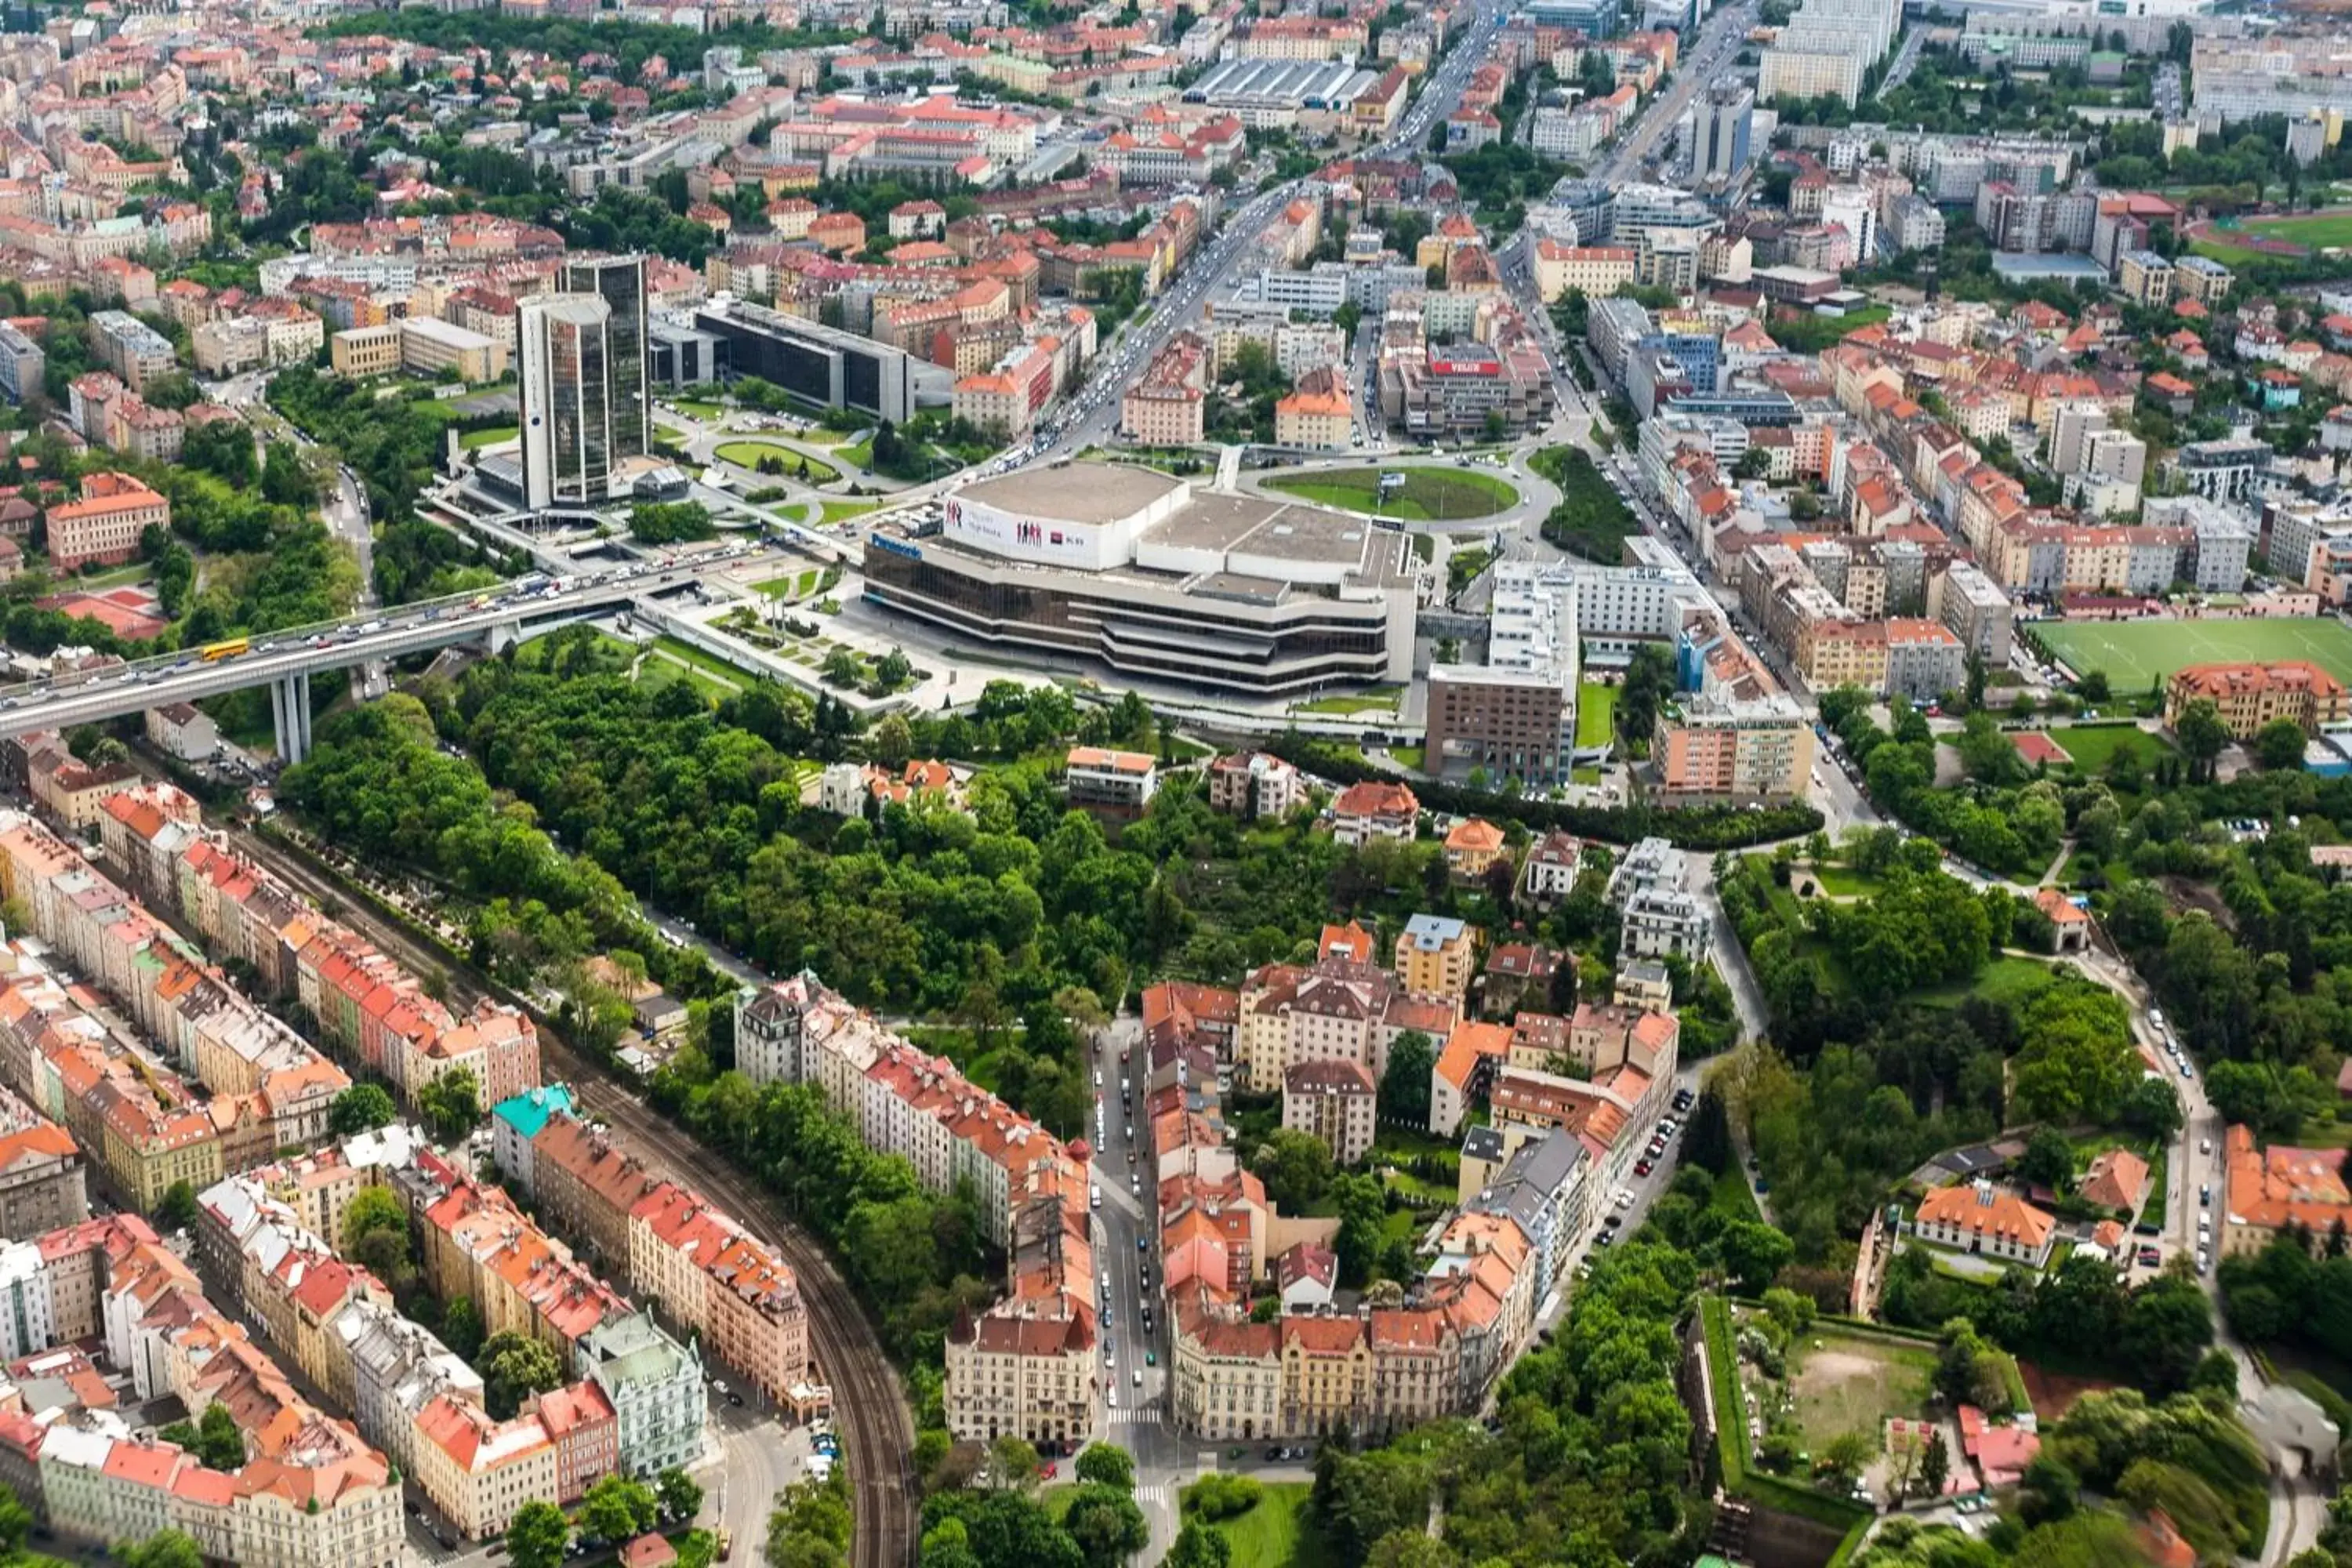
(44, 1181)
(308, 1492)
(1021, 1364)
(1335, 1101)
(1436, 955)
(131, 348)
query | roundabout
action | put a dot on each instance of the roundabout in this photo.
(1428, 494)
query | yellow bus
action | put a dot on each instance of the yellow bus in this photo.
(215, 652)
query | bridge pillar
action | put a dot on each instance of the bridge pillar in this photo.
(290, 706)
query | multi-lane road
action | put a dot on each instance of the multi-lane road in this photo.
(1092, 416)
(61, 701)
(1701, 64)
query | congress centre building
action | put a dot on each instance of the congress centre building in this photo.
(1137, 570)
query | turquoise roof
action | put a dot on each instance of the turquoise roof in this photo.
(528, 1113)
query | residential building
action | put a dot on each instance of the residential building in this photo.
(1166, 405)
(1016, 1374)
(1925, 659)
(515, 1122)
(1335, 1101)
(1660, 924)
(2144, 278)
(1254, 785)
(1436, 954)
(1976, 609)
(1550, 872)
(22, 365)
(1096, 775)
(1341, 1008)
(44, 1183)
(1316, 415)
(1372, 809)
(655, 1386)
(132, 349)
(1473, 846)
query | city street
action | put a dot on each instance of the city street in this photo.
(1137, 1416)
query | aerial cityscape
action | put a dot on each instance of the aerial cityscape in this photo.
(1292, 783)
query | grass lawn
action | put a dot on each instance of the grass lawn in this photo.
(699, 408)
(843, 510)
(2006, 979)
(687, 653)
(749, 454)
(2135, 653)
(1732, 1197)
(1428, 495)
(2093, 746)
(799, 586)
(1273, 1534)
(1839, 883)
(474, 439)
(1410, 756)
(659, 670)
(1854, 1383)
(2226, 255)
(1596, 713)
(112, 578)
(1372, 699)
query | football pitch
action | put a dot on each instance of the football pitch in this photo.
(2137, 653)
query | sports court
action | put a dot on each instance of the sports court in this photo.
(2135, 653)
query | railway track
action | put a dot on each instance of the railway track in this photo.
(871, 1412)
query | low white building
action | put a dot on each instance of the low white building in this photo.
(1096, 775)
(184, 731)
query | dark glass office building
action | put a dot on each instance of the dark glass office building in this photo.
(620, 283)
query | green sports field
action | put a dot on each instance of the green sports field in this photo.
(2321, 231)
(2134, 653)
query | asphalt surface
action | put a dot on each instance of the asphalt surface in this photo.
(1092, 416)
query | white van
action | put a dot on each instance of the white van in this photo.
(1094, 1194)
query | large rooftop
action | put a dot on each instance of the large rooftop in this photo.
(1074, 492)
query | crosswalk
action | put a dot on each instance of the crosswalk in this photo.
(1146, 1415)
(1160, 1494)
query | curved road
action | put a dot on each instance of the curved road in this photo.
(870, 1411)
